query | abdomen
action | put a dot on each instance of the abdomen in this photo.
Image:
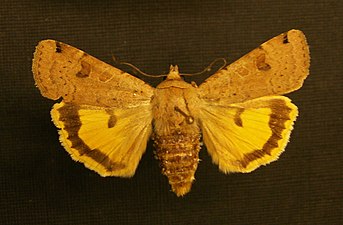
(179, 157)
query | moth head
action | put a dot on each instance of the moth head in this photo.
(173, 73)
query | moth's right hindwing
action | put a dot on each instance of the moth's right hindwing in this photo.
(243, 136)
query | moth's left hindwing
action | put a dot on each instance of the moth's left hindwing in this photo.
(105, 116)
(109, 141)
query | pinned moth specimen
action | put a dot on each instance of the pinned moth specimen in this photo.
(107, 116)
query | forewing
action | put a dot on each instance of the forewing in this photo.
(109, 141)
(276, 67)
(241, 137)
(61, 70)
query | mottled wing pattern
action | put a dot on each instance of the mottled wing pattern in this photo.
(278, 66)
(243, 121)
(105, 115)
(61, 70)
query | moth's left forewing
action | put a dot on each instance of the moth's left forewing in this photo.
(63, 71)
(276, 67)
(243, 136)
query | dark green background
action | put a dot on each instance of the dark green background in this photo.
(40, 183)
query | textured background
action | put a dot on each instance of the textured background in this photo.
(40, 184)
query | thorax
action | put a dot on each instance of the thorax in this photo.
(174, 107)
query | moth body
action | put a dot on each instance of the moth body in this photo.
(176, 131)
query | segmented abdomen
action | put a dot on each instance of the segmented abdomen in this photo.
(179, 157)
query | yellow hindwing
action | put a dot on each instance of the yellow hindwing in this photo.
(241, 137)
(108, 141)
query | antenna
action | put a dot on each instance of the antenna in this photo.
(208, 68)
(137, 69)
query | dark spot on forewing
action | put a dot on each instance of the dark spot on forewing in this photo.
(261, 63)
(58, 47)
(285, 39)
(278, 117)
(85, 70)
(72, 124)
(264, 67)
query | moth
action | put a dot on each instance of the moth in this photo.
(106, 116)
